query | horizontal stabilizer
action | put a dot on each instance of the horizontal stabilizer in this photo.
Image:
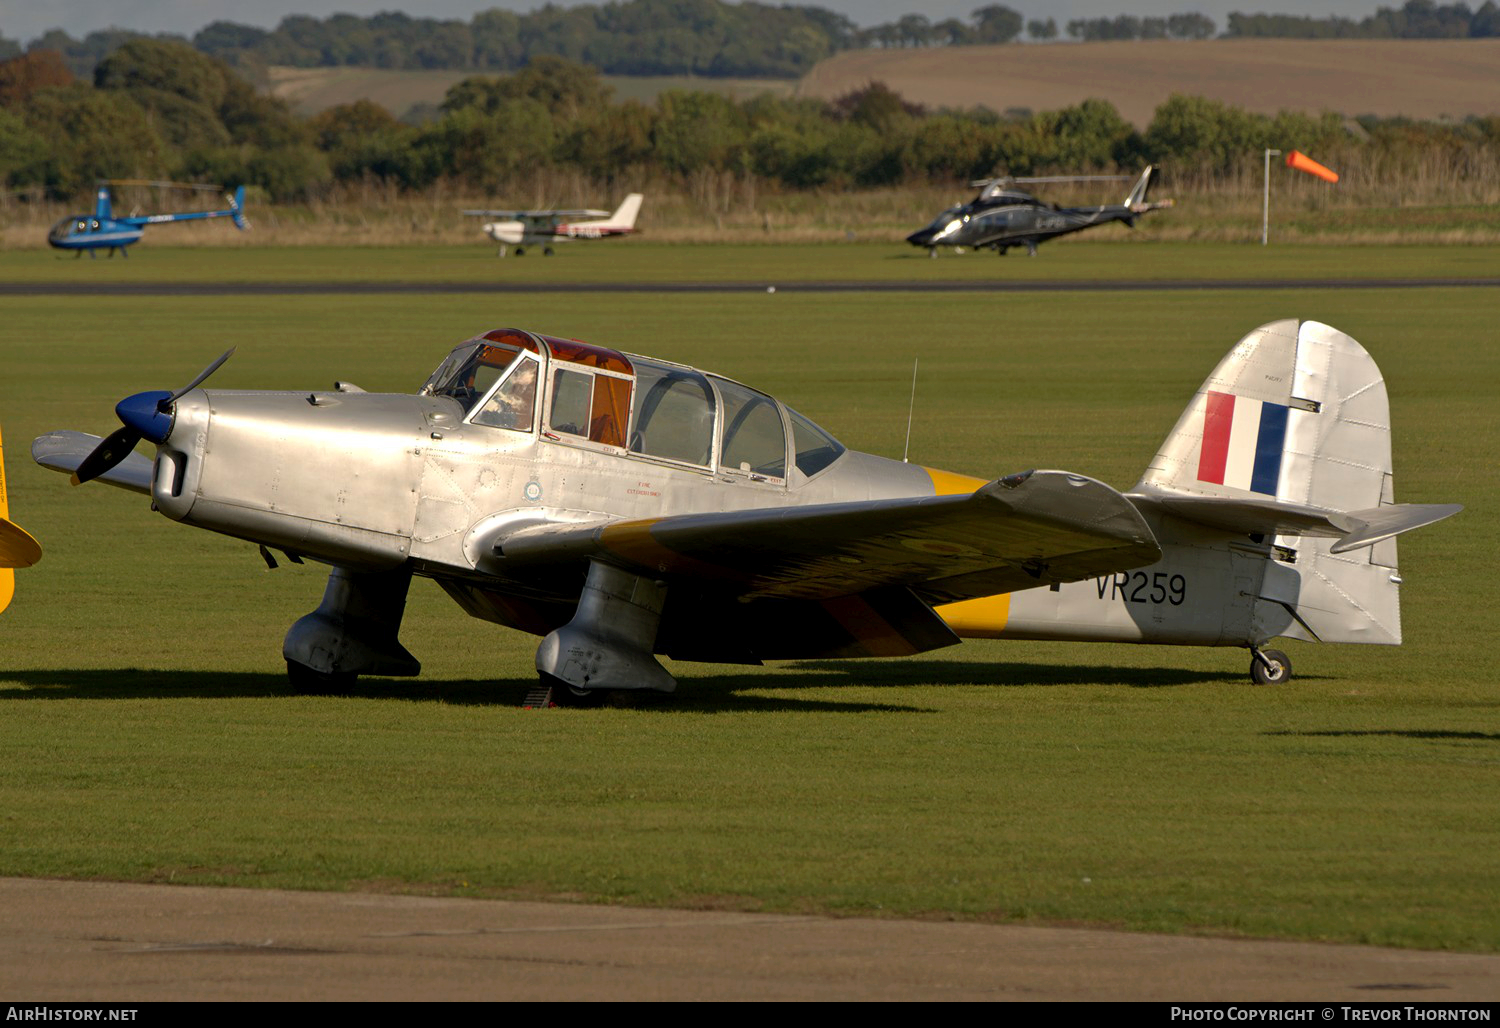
(1352, 529)
(64, 451)
(1371, 526)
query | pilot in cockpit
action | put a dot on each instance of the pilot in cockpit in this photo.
(514, 402)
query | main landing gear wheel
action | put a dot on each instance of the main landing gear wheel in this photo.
(309, 682)
(547, 251)
(520, 251)
(1270, 667)
(566, 695)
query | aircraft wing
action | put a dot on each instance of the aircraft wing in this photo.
(538, 215)
(64, 451)
(1025, 530)
(17, 547)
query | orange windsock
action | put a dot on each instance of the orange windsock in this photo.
(1302, 162)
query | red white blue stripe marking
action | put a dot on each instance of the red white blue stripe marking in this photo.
(1243, 440)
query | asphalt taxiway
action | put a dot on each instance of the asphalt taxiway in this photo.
(114, 942)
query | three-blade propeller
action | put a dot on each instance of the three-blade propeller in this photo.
(145, 416)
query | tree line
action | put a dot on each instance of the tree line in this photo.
(705, 37)
(161, 109)
(1416, 19)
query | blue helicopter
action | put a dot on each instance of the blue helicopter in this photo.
(102, 230)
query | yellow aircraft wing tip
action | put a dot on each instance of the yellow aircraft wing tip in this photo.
(17, 547)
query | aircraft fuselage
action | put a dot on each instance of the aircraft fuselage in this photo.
(622, 506)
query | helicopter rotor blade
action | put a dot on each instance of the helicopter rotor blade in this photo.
(1005, 180)
(156, 184)
(1077, 178)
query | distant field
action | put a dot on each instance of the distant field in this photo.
(1416, 78)
(310, 90)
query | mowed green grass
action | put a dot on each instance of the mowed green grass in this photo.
(1111, 254)
(148, 733)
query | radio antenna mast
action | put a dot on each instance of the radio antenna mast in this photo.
(910, 410)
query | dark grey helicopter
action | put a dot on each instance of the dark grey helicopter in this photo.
(1001, 216)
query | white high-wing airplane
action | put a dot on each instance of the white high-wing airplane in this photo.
(530, 228)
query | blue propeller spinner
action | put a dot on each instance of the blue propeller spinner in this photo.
(145, 415)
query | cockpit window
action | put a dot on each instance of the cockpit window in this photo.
(816, 449)
(590, 405)
(571, 393)
(950, 215)
(673, 413)
(513, 405)
(468, 374)
(753, 438)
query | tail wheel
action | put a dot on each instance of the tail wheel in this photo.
(1270, 667)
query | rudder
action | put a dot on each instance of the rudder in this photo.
(625, 216)
(1296, 416)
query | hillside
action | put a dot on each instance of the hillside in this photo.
(1417, 78)
(310, 90)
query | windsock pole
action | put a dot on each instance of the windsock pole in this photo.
(1265, 207)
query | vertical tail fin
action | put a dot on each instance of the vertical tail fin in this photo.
(626, 215)
(1137, 197)
(1295, 418)
(1296, 412)
(237, 207)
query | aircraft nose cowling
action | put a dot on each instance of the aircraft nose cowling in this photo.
(149, 413)
(922, 238)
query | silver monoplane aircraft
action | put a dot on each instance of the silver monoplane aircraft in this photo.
(622, 507)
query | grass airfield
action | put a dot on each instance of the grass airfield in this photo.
(640, 260)
(149, 734)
